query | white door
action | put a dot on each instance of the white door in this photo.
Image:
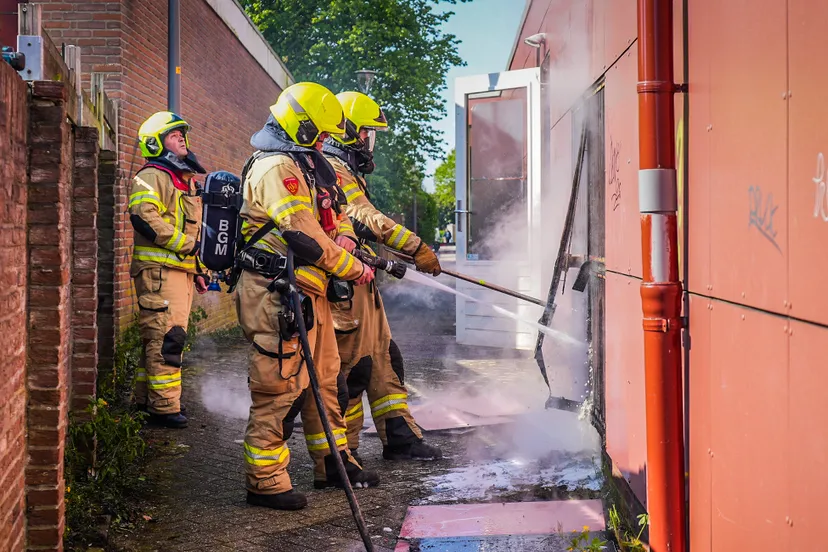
(498, 141)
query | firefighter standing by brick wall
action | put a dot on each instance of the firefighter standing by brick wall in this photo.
(371, 360)
(289, 192)
(165, 212)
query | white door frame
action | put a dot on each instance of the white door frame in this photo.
(530, 80)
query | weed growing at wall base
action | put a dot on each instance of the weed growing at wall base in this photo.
(626, 541)
(102, 469)
(105, 449)
(582, 543)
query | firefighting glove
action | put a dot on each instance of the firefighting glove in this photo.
(425, 260)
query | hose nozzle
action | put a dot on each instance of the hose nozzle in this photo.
(394, 268)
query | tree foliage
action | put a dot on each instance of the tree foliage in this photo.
(328, 41)
(444, 193)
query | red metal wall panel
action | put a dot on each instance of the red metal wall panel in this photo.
(555, 191)
(748, 156)
(524, 55)
(569, 36)
(621, 27)
(598, 15)
(624, 365)
(700, 424)
(808, 127)
(749, 400)
(623, 222)
(698, 146)
(557, 183)
(807, 446)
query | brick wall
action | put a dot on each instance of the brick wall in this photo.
(50, 245)
(13, 198)
(225, 97)
(95, 27)
(84, 267)
(107, 178)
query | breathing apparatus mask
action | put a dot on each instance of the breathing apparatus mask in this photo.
(363, 148)
(365, 161)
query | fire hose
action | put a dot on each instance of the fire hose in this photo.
(471, 279)
(494, 287)
(320, 405)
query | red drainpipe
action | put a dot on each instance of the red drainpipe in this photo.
(661, 289)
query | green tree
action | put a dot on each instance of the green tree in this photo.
(327, 41)
(427, 215)
(444, 193)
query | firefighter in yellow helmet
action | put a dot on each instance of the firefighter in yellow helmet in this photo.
(290, 201)
(165, 212)
(371, 361)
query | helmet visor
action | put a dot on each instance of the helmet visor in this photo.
(370, 139)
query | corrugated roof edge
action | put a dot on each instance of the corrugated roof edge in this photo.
(519, 33)
(237, 20)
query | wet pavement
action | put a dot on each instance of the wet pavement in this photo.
(197, 495)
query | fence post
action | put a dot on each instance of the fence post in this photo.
(30, 41)
(72, 57)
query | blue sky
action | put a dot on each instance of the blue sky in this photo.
(486, 29)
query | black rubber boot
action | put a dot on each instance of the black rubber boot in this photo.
(359, 478)
(414, 451)
(288, 500)
(172, 421)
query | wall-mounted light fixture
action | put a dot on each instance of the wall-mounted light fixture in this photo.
(536, 41)
(365, 77)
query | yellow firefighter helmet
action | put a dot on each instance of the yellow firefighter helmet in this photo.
(305, 110)
(361, 112)
(152, 131)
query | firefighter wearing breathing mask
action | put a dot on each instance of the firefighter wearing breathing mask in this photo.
(371, 361)
(290, 201)
(165, 212)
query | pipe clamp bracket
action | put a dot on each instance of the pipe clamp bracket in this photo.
(657, 191)
(662, 325)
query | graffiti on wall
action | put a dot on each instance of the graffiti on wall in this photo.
(820, 201)
(614, 176)
(762, 210)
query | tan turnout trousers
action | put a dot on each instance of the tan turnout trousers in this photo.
(370, 362)
(165, 296)
(278, 377)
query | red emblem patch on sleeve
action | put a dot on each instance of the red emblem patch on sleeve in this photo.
(292, 184)
(339, 180)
